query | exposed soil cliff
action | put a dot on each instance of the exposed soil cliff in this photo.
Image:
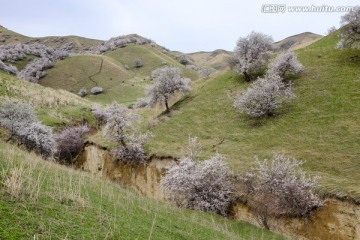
(336, 220)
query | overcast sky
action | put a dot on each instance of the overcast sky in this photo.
(182, 25)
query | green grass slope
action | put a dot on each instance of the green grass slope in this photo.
(42, 200)
(89, 71)
(321, 126)
(7, 36)
(109, 72)
(54, 107)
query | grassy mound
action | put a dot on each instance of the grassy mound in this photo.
(320, 126)
(43, 200)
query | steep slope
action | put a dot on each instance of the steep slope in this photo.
(320, 126)
(43, 200)
(297, 41)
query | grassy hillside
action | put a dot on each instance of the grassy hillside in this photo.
(215, 59)
(54, 107)
(151, 58)
(297, 41)
(43, 200)
(9, 37)
(109, 71)
(321, 126)
(95, 70)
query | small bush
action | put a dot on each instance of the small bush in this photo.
(96, 90)
(141, 103)
(99, 114)
(82, 92)
(183, 60)
(138, 63)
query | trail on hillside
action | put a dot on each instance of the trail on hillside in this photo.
(99, 71)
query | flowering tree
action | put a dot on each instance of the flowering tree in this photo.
(21, 121)
(8, 68)
(280, 188)
(166, 82)
(201, 185)
(284, 62)
(16, 116)
(119, 128)
(39, 138)
(251, 53)
(99, 114)
(350, 31)
(70, 142)
(264, 96)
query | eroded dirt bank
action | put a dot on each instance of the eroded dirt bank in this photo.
(336, 220)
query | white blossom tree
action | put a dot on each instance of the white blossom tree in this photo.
(280, 188)
(16, 116)
(70, 142)
(251, 53)
(264, 96)
(119, 128)
(166, 82)
(22, 123)
(39, 138)
(350, 31)
(284, 62)
(201, 185)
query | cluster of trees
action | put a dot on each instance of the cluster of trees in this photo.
(122, 41)
(36, 68)
(119, 127)
(268, 93)
(273, 188)
(23, 126)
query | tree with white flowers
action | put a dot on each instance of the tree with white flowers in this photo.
(350, 30)
(119, 128)
(166, 83)
(251, 53)
(264, 96)
(283, 63)
(279, 187)
(201, 185)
